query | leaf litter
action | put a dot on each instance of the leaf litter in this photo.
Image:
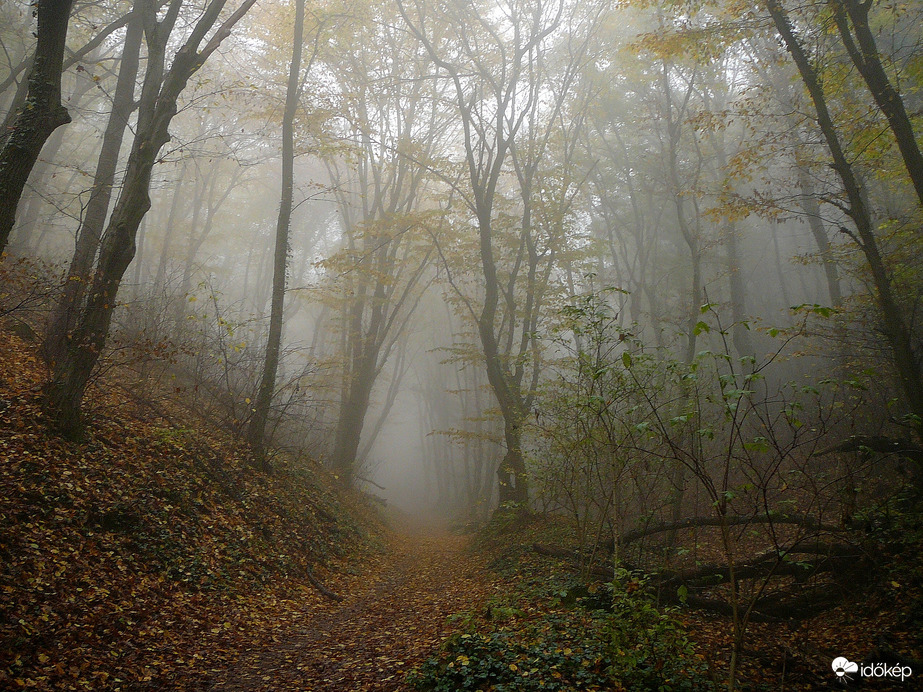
(153, 556)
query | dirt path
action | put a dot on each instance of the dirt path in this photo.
(371, 639)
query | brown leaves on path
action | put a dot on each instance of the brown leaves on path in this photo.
(153, 557)
(370, 641)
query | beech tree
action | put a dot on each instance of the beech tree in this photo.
(389, 128)
(852, 19)
(157, 107)
(498, 64)
(94, 217)
(256, 429)
(895, 326)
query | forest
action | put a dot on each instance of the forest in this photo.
(461, 344)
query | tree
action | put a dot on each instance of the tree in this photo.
(852, 22)
(157, 107)
(94, 218)
(509, 96)
(256, 429)
(42, 114)
(389, 129)
(895, 327)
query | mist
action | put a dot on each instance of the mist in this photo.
(645, 275)
(448, 213)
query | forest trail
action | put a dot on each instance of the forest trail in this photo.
(371, 639)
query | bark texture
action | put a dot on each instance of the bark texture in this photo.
(94, 217)
(158, 106)
(41, 114)
(894, 325)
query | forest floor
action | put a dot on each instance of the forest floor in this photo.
(399, 616)
(152, 556)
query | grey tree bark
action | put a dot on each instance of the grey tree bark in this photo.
(94, 217)
(493, 107)
(895, 327)
(160, 93)
(852, 21)
(256, 429)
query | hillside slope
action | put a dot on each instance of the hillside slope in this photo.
(151, 554)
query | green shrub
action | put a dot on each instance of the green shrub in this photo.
(588, 638)
(648, 648)
(516, 660)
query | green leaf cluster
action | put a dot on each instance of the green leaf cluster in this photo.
(588, 637)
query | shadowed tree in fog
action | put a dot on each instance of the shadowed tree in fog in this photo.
(157, 107)
(852, 19)
(508, 96)
(256, 430)
(97, 208)
(391, 125)
(897, 331)
(41, 114)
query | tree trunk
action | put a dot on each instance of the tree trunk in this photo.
(94, 218)
(895, 328)
(863, 51)
(256, 430)
(808, 201)
(44, 114)
(740, 330)
(160, 277)
(351, 420)
(401, 366)
(19, 98)
(74, 57)
(64, 392)
(24, 239)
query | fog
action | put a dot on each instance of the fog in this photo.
(468, 254)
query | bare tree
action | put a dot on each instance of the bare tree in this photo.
(394, 125)
(257, 428)
(497, 64)
(94, 218)
(896, 328)
(852, 22)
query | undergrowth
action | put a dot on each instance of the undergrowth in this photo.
(553, 631)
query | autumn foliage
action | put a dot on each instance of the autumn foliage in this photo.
(150, 554)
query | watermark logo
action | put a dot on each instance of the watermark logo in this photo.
(845, 669)
(842, 666)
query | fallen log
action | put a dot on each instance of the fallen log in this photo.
(803, 520)
(765, 565)
(786, 605)
(875, 443)
(826, 557)
(327, 593)
(574, 557)
(764, 610)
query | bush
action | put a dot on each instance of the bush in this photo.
(648, 647)
(587, 638)
(539, 657)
